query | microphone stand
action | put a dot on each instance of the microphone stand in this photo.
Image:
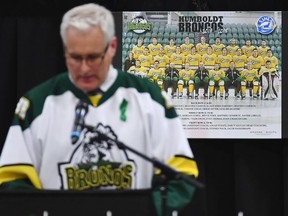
(167, 171)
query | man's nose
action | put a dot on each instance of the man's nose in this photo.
(84, 65)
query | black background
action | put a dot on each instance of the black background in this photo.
(240, 175)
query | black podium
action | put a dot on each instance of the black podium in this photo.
(77, 203)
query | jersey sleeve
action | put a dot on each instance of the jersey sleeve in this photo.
(172, 147)
(18, 161)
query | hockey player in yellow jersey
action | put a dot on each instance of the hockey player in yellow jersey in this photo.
(232, 48)
(217, 77)
(178, 58)
(256, 60)
(224, 59)
(154, 47)
(269, 81)
(209, 58)
(138, 49)
(217, 46)
(193, 59)
(273, 59)
(240, 60)
(248, 48)
(186, 79)
(156, 74)
(146, 59)
(202, 46)
(138, 70)
(263, 49)
(170, 48)
(162, 59)
(250, 80)
(186, 46)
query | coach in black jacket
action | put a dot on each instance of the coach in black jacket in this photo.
(232, 79)
(171, 78)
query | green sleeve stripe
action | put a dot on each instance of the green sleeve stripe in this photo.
(179, 195)
(18, 184)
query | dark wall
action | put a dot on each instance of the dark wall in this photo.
(240, 175)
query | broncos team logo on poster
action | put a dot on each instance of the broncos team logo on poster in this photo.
(139, 24)
(97, 162)
(265, 25)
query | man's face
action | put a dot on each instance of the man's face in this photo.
(139, 41)
(216, 67)
(88, 57)
(156, 64)
(255, 53)
(239, 51)
(154, 41)
(209, 50)
(203, 40)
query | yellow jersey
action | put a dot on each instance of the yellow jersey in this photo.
(186, 74)
(186, 48)
(216, 74)
(249, 75)
(248, 50)
(193, 59)
(257, 62)
(224, 61)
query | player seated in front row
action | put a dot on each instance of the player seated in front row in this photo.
(156, 74)
(250, 80)
(217, 77)
(201, 78)
(171, 79)
(232, 79)
(186, 79)
(137, 69)
(270, 81)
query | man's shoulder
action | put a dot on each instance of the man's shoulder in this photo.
(131, 81)
(54, 85)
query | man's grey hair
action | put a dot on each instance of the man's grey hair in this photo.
(85, 16)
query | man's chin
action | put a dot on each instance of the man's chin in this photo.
(87, 87)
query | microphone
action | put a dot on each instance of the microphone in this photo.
(80, 112)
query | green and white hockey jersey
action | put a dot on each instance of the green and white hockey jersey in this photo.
(38, 147)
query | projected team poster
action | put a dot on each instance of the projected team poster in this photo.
(222, 70)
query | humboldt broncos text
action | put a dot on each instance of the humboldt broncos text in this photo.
(200, 23)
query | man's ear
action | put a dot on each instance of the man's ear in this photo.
(113, 46)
